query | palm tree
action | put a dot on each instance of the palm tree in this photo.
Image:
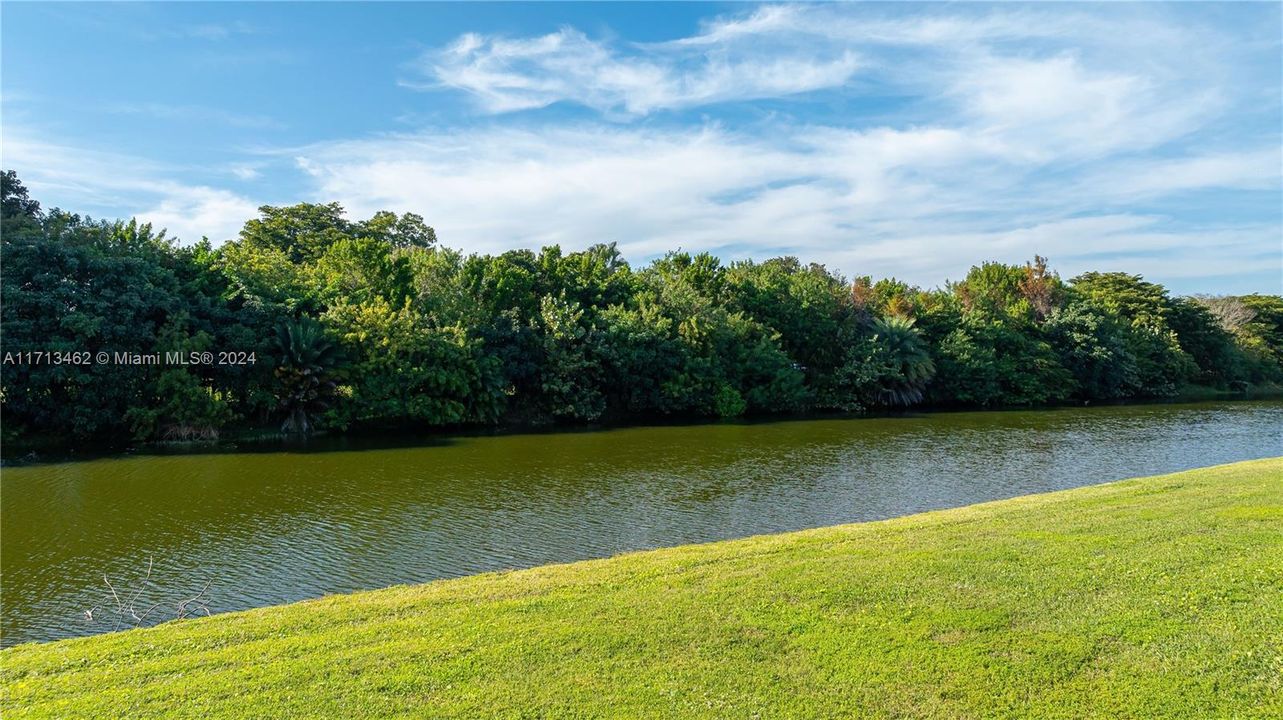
(906, 364)
(308, 358)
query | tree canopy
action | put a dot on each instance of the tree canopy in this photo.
(372, 323)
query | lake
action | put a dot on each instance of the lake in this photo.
(270, 527)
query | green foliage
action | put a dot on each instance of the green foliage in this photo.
(302, 232)
(1261, 336)
(184, 408)
(407, 372)
(989, 363)
(728, 402)
(1093, 345)
(645, 358)
(901, 362)
(304, 373)
(372, 323)
(1163, 366)
(20, 213)
(1219, 361)
(182, 402)
(359, 269)
(806, 305)
(571, 373)
(992, 290)
(720, 348)
(398, 232)
(71, 284)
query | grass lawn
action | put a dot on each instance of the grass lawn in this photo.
(1148, 598)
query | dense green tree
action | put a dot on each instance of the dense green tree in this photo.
(1262, 336)
(400, 232)
(810, 308)
(300, 232)
(993, 291)
(1218, 359)
(20, 213)
(403, 371)
(1093, 345)
(359, 269)
(181, 407)
(571, 377)
(989, 363)
(1026, 294)
(733, 363)
(644, 359)
(371, 323)
(181, 403)
(1163, 366)
(1254, 326)
(75, 285)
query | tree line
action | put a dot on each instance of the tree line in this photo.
(373, 323)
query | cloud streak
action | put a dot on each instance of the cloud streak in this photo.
(505, 74)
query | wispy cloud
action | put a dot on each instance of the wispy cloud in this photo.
(1037, 131)
(1127, 181)
(104, 183)
(505, 74)
(919, 203)
(245, 171)
(1026, 67)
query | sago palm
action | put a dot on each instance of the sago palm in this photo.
(308, 358)
(906, 364)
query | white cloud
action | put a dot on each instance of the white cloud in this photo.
(1056, 106)
(245, 171)
(1034, 131)
(778, 51)
(1182, 257)
(106, 183)
(920, 203)
(505, 74)
(766, 20)
(192, 212)
(1127, 181)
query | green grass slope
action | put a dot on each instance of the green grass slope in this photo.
(1148, 598)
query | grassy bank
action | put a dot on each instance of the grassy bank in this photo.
(1156, 597)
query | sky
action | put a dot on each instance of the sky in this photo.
(898, 139)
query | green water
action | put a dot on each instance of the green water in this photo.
(281, 525)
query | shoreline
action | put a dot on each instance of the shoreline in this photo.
(264, 440)
(880, 603)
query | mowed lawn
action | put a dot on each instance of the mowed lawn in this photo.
(1150, 598)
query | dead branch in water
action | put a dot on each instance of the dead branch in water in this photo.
(127, 611)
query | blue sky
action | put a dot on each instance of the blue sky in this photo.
(888, 139)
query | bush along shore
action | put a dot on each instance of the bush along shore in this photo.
(311, 321)
(1146, 598)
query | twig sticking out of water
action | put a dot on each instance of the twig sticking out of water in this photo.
(127, 611)
(197, 601)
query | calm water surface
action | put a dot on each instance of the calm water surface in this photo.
(274, 527)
